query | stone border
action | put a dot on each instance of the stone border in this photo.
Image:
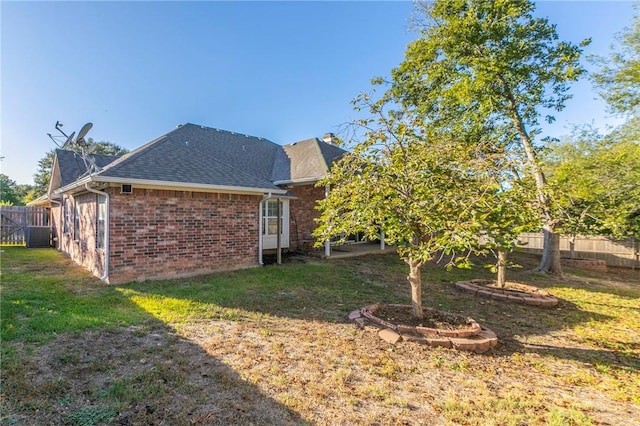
(478, 339)
(534, 297)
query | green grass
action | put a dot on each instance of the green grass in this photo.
(588, 343)
(43, 295)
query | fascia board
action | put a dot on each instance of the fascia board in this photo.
(171, 185)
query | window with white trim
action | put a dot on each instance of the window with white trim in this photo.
(270, 217)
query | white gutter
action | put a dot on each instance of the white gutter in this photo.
(169, 184)
(298, 181)
(107, 252)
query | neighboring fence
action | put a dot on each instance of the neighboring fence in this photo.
(14, 221)
(613, 252)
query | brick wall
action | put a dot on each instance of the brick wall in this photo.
(164, 234)
(303, 213)
(80, 246)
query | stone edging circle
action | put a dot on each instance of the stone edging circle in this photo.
(477, 339)
(533, 296)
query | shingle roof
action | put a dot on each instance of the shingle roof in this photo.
(192, 154)
(72, 166)
(305, 160)
(200, 155)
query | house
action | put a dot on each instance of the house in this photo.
(193, 201)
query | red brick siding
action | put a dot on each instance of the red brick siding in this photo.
(82, 247)
(161, 234)
(302, 213)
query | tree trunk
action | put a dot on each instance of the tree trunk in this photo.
(502, 268)
(572, 246)
(550, 262)
(415, 280)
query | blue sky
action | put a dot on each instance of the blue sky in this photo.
(285, 71)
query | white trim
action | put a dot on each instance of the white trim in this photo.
(169, 185)
(298, 181)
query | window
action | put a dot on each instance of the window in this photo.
(67, 215)
(101, 224)
(270, 218)
(76, 222)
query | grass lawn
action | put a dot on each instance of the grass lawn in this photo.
(273, 346)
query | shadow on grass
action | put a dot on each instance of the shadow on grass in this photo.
(328, 291)
(67, 359)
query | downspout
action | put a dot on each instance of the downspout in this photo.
(105, 276)
(327, 243)
(264, 198)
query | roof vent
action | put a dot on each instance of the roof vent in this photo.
(329, 138)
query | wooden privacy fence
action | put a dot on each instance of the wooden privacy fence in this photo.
(14, 221)
(614, 252)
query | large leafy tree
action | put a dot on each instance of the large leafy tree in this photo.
(8, 191)
(618, 77)
(43, 173)
(418, 186)
(486, 66)
(596, 182)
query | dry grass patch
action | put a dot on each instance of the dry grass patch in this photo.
(272, 346)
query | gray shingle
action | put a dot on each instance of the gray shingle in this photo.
(200, 155)
(72, 165)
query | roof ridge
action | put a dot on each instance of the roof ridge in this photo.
(231, 132)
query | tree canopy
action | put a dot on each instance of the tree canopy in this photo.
(489, 67)
(9, 191)
(619, 75)
(595, 180)
(421, 190)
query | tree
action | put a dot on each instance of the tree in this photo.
(43, 173)
(595, 180)
(414, 184)
(490, 66)
(8, 196)
(504, 215)
(619, 75)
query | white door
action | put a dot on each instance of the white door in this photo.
(270, 224)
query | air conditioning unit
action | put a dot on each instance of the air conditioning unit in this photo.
(38, 236)
(126, 189)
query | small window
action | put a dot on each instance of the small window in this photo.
(101, 221)
(67, 215)
(76, 222)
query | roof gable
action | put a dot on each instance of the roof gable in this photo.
(68, 166)
(305, 161)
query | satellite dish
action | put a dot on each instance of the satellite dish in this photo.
(69, 141)
(83, 132)
(90, 149)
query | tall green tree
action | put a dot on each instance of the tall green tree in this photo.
(8, 194)
(596, 183)
(618, 77)
(486, 66)
(418, 187)
(43, 173)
